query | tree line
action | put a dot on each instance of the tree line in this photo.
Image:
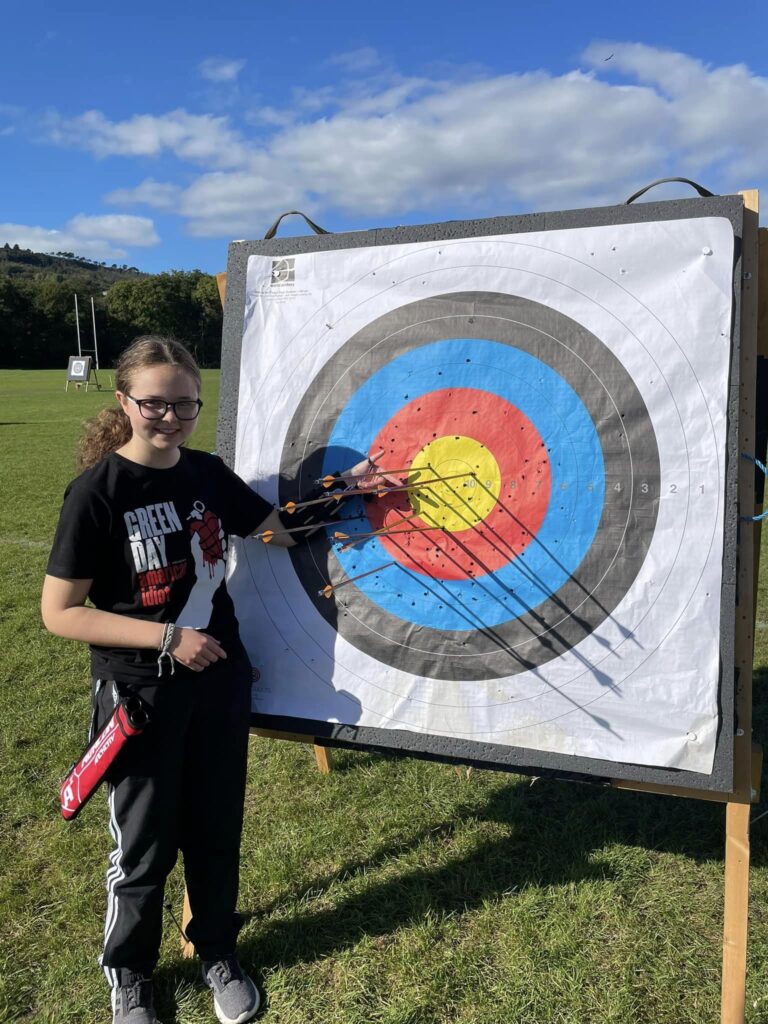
(37, 310)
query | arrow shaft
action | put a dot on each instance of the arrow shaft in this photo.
(356, 538)
(327, 591)
(376, 471)
(302, 529)
(373, 492)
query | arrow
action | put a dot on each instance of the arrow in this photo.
(331, 479)
(268, 535)
(292, 506)
(328, 590)
(388, 532)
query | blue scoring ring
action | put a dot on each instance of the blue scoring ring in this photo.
(577, 492)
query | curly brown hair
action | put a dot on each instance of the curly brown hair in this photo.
(110, 429)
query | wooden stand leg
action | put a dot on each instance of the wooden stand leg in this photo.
(323, 758)
(187, 949)
(736, 913)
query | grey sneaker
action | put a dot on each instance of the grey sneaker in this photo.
(235, 997)
(132, 1000)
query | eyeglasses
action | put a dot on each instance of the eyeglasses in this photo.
(156, 408)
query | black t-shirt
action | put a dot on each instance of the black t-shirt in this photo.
(154, 542)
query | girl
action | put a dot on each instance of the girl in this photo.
(143, 535)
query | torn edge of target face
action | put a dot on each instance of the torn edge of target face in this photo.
(558, 593)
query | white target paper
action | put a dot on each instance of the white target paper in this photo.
(607, 346)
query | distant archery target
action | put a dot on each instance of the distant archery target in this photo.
(544, 525)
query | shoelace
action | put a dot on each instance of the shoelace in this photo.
(138, 994)
(226, 970)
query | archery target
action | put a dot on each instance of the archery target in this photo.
(554, 406)
(539, 550)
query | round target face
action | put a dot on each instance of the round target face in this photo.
(532, 476)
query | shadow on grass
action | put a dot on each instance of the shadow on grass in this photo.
(554, 833)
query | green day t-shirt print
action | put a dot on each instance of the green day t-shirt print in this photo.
(158, 535)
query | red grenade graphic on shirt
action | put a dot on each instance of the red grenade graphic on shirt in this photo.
(207, 526)
(208, 547)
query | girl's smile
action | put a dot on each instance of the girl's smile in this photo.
(155, 442)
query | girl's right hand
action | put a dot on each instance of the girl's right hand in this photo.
(194, 649)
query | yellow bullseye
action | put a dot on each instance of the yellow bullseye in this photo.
(461, 502)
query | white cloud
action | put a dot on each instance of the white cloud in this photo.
(197, 138)
(241, 203)
(480, 146)
(386, 146)
(270, 116)
(220, 69)
(719, 115)
(158, 194)
(98, 238)
(356, 61)
(10, 113)
(117, 227)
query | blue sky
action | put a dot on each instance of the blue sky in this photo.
(154, 133)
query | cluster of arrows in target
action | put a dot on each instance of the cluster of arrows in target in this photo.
(346, 541)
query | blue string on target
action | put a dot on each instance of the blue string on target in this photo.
(758, 463)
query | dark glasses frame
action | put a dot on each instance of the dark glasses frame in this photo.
(156, 415)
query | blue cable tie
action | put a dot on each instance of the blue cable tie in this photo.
(758, 463)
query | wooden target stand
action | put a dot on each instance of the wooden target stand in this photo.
(747, 754)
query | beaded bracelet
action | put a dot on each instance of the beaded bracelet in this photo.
(165, 648)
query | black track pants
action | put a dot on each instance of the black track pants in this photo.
(180, 785)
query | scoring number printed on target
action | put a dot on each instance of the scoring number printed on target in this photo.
(542, 462)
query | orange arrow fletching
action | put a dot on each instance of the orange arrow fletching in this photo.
(329, 588)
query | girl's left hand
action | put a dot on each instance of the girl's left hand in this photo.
(366, 476)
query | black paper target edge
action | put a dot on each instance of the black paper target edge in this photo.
(518, 759)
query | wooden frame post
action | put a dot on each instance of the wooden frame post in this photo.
(736, 902)
(735, 913)
(187, 949)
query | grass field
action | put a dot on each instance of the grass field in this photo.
(392, 891)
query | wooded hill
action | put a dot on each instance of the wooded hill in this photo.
(37, 308)
(17, 262)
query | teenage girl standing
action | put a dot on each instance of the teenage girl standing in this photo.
(143, 536)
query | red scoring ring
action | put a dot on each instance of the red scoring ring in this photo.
(516, 517)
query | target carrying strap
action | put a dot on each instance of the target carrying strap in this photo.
(272, 231)
(703, 192)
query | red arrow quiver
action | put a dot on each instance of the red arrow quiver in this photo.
(128, 719)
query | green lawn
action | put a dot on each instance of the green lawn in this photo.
(393, 891)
